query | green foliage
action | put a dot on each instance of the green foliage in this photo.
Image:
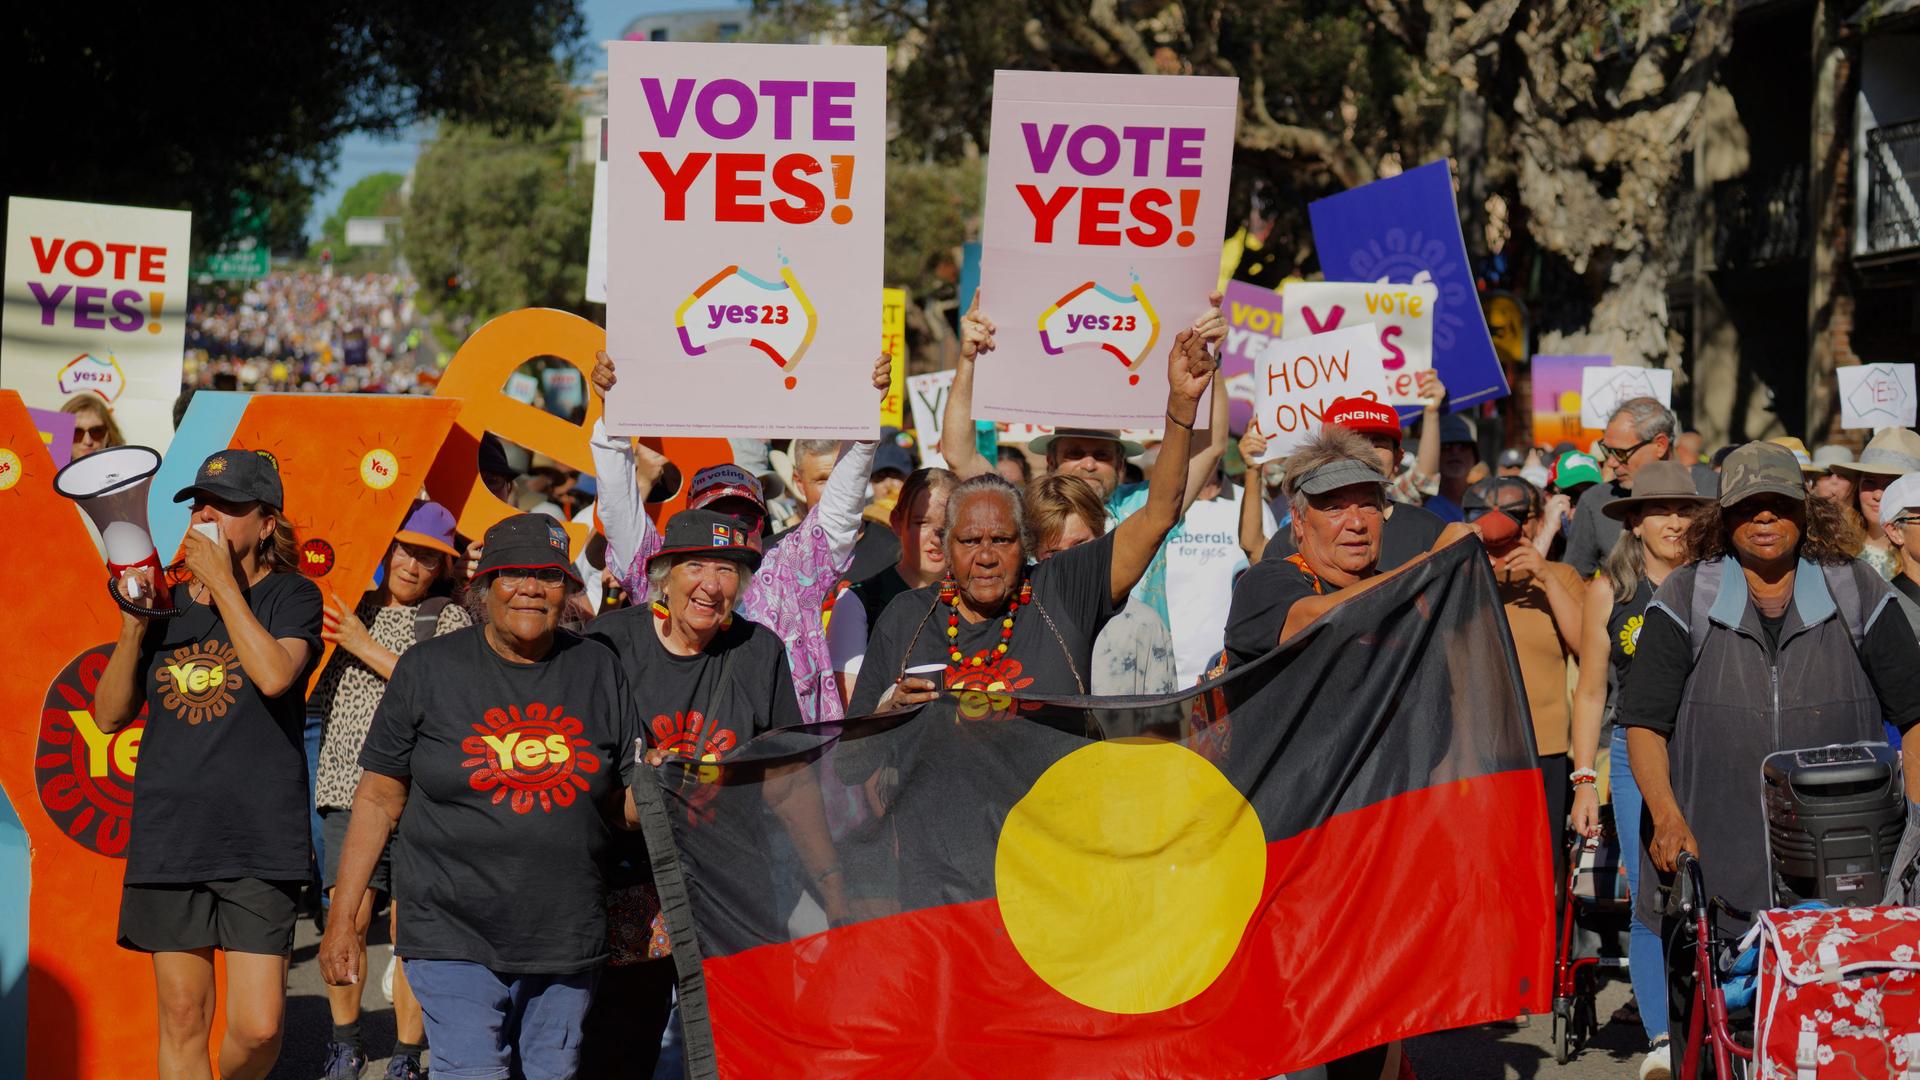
(497, 222)
(929, 207)
(377, 195)
(184, 107)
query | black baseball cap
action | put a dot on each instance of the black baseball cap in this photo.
(708, 533)
(237, 476)
(525, 542)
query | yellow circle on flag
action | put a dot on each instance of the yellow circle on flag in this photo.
(1127, 876)
(379, 469)
(10, 469)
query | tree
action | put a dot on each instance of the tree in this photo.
(377, 195)
(1575, 115)
(497, 222)
(184, 107)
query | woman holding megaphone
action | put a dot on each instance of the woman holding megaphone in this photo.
(219, 845)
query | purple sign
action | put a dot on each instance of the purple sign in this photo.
(1253, 323)
(1397, 229)
(56, 431)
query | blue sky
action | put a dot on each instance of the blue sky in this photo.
(364, 155)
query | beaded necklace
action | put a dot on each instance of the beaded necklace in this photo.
(948, 594)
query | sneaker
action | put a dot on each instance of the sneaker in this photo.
(406, 1068)
(1658, 1064)
(344, 1062)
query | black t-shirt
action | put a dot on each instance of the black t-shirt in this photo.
(1261, 599)
(221, 791)
(1624, 624)
(501, 850)
(1406, 534)
(876, 592)
(1073, 589)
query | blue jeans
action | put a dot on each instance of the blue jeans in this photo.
(312, 738)
(488, 1025)
(1646, 962)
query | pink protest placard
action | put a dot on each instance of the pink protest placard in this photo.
(1106, 204)
(744, 222)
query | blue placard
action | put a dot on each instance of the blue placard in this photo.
(1392, 230)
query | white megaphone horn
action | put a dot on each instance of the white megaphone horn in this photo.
(110, 487)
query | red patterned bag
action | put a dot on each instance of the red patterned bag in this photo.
(1839, 994)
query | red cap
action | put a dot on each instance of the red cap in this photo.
(1363, 415)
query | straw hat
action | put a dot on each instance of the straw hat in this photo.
(1893, 452)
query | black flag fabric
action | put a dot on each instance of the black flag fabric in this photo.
(1341, 844)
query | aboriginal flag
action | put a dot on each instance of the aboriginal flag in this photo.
(1336, 846)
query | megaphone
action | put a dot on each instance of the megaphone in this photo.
(110, 487)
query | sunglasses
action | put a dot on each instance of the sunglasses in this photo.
(1907, 521)
(96, 433)
(1620, 455)
(1519, 512)
(548, 576)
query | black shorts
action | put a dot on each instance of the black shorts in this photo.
(333, 838)
(246, 915)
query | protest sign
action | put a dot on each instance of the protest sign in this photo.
(745, 237)
(1406, 230)
(1556, 399)
(1604, 389)
(1876, 395)
(96, 300)
(1106, 201)
(1299, 378)
(893, 342)
(1403, 314)
(928, 396)
(597, 228)
(1253, 323)
(56, 432)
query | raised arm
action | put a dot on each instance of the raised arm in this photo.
(1190, 367)
(1253, 530)
(956, 420)
(625, 470)
(1206, 457)
(1433, 395)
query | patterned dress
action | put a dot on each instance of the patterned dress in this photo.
(349, 691)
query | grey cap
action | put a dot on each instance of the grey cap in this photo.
(1760, 468)
(1338, 474)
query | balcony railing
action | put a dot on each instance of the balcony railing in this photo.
(1761, 219)
(1893, 189)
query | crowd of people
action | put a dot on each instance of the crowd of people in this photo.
(302, 330)
(1674, 617)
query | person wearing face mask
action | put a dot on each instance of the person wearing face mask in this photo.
(1337, 500)
(993, 624)
(707, 683)
(917, 519)
(1772, 639)
(391, 618)
(501, 754)
(1654, 521)
(790, 588)
(219, 847)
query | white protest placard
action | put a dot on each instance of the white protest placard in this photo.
(1298, 379)
(1604, 389)
(597, 229)
(1403, 315)
(1876, 395)
(927, 397)
(96, 300)
(746, 200)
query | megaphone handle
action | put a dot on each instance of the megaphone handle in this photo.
(131, 608)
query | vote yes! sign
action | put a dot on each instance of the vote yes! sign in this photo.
(96, 301)
(1403, 315)
(1106, 202)
(744, 213)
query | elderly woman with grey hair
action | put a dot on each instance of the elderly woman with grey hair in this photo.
(995, 623)
(706, 682)
(1338, 496)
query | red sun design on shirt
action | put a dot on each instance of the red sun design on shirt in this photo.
(691, 735)
(986, 692)
(536, 756)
